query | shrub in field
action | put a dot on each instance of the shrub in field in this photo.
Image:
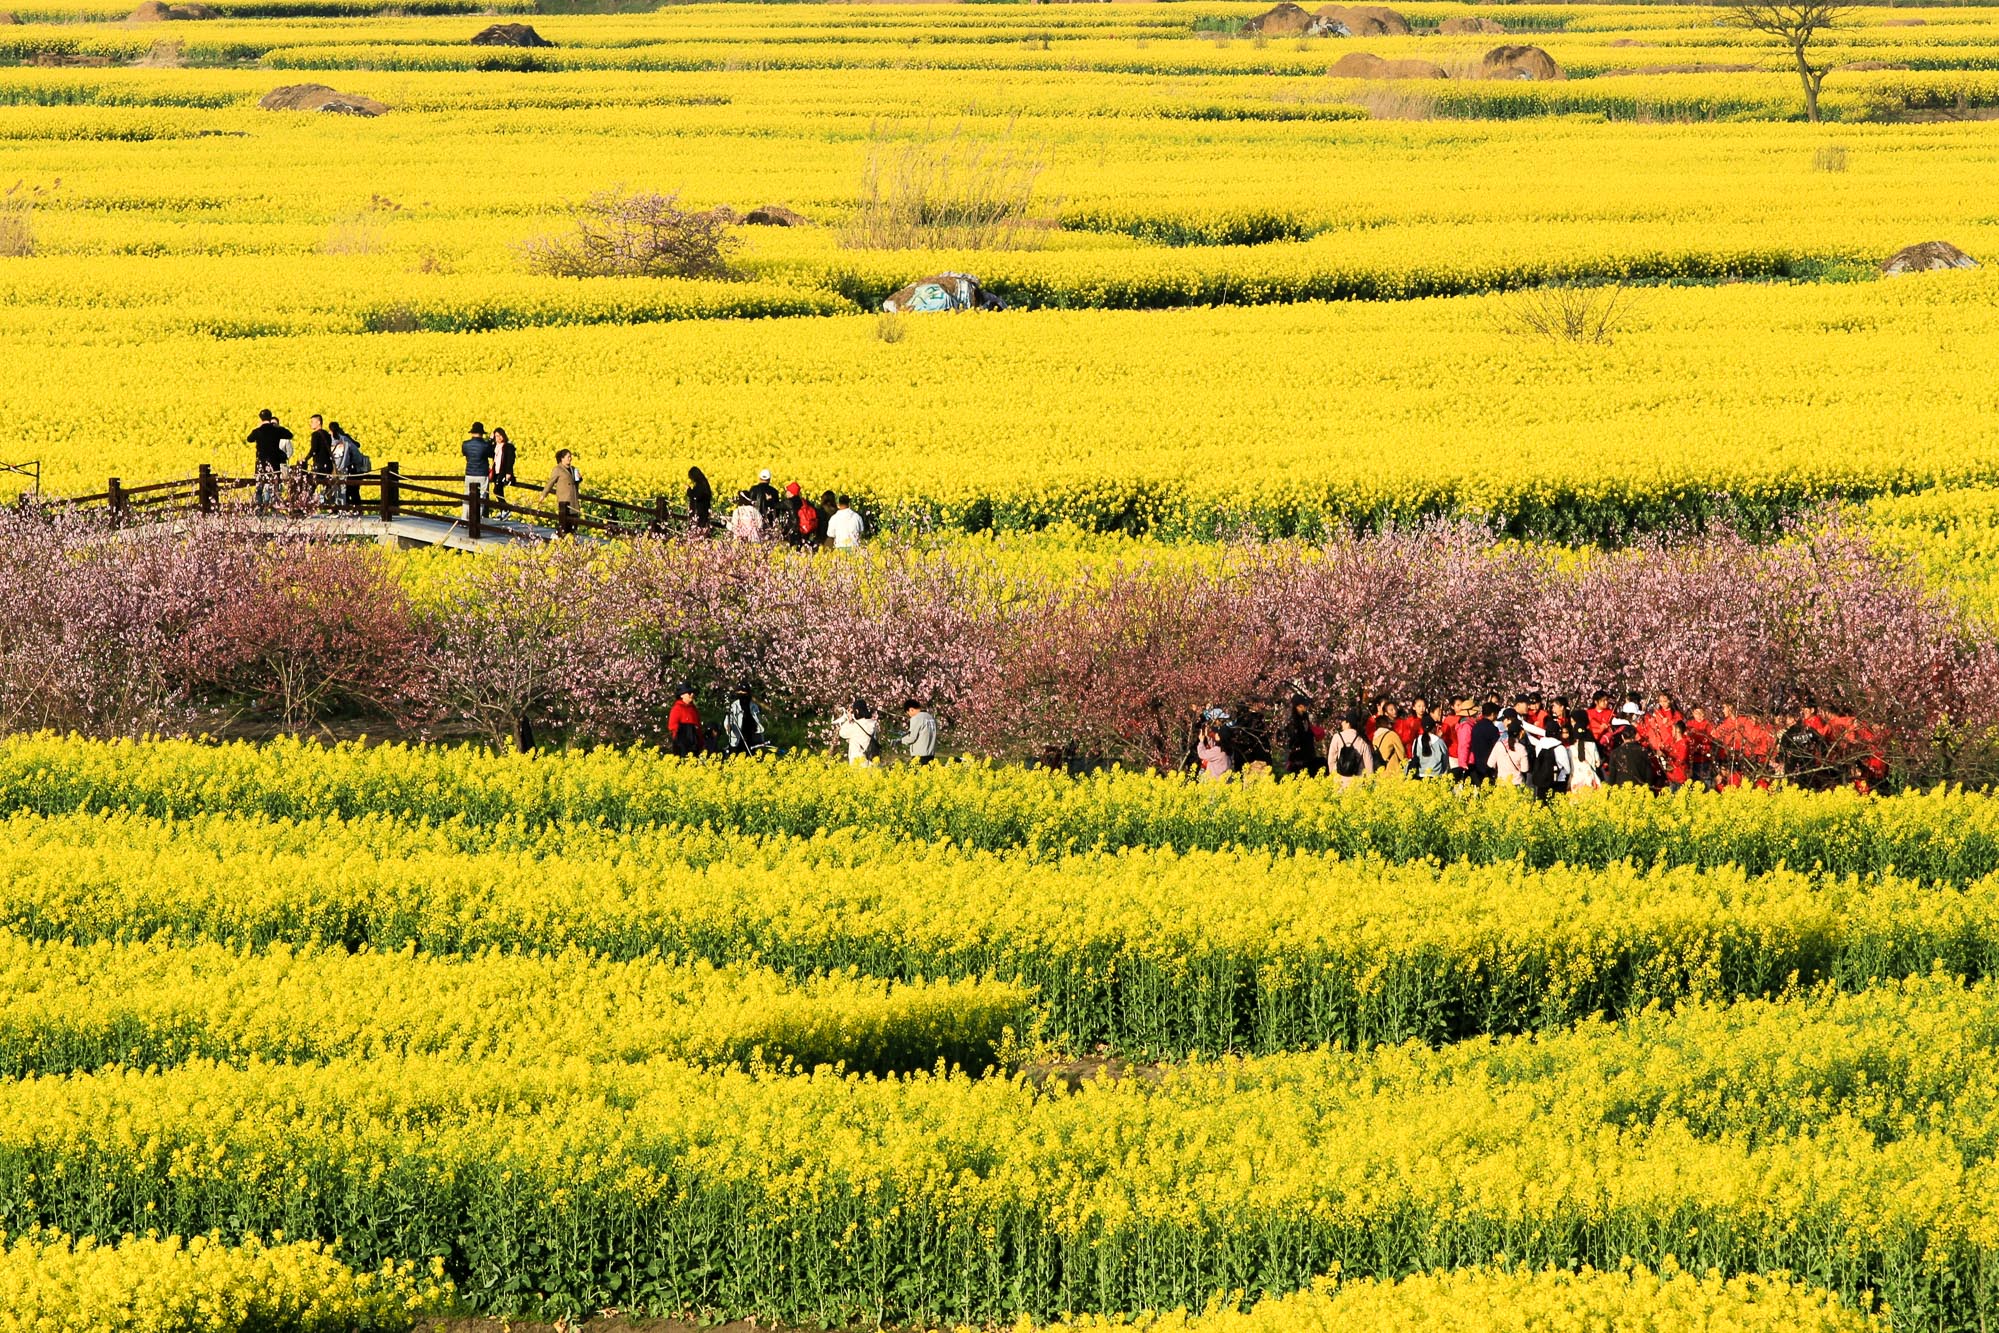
(640, 235)
(957, 193)
(322, 632)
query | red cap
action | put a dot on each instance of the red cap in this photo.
(791, 489)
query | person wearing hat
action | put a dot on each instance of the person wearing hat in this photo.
(478, 451)
(1629, 764)
(801, 520)
(683, 724)
(765, 497)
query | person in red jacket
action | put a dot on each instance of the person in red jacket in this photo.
(1599, 718)
(1741, 744)
(1673, 756)
(1409, 725)
(1700, 747)
(683, 724)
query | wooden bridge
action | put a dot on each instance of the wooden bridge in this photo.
(386, 505)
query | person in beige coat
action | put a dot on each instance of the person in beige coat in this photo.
(566, 483)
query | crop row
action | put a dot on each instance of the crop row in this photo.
(1151, 952)
(1650, 434)
(1515, 1301)
(1846, 1140)
(1939, 836)
(67, 1007)
(149, 1284)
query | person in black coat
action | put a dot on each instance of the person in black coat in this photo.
(1484, 736)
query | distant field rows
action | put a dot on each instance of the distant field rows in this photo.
(201, 258)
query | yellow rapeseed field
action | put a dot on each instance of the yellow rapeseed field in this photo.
(196, 258)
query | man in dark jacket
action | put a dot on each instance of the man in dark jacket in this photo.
(273, 445)
(1484, 736)
(1629, 763)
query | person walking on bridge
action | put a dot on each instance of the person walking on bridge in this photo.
(504, 459)
(478, 451)
(566, 483)
(273, 443)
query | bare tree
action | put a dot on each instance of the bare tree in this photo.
(1796, 24)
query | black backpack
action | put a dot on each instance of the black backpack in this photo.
(1349, 764)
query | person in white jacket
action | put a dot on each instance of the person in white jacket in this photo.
(861, 730)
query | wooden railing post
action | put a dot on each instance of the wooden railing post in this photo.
(661, 515)
(391, 490)
(206, 493)
(474, 502)
(116, 494)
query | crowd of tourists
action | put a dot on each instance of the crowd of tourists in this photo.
(333, 460)
(857, 730)
(1545, 744)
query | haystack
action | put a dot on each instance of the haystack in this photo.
(1286, 20)
(1929, 257)
(1364, 20)
(775, 215)
(1366, 65)
(1519, 62)
(319, 97)
(943, 292)
(1464, 25)
(154, 12)
(7, 18)
(510, 34)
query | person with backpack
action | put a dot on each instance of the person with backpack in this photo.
(348, 462)
(861, 730)
(806, 520)
(1348, 755)
(683, 724)
(1429, 757)
(1547, 761)
(743, 724)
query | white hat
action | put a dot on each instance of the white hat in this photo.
(1632, 710)
(764, 475)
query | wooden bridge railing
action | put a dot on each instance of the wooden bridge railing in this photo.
(386, 493)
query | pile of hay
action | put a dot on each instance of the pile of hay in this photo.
(1467, 24)
(154, 12)
(1286, 20)
(319, 97)
(1362, 20)
(775, 215)
(1364, 65)
(1929, 257)
(1519, 62)
(510, 34)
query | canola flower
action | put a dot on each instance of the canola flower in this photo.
(1846, 1140)
(1518, 1301)
(50, 1283)
(1941, 835)
(1187, 171)
(1150, 951)
(67, 1007)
